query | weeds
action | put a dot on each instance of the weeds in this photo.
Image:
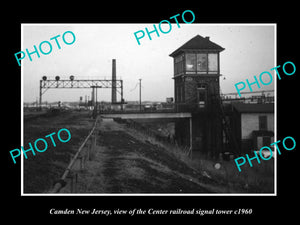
(227, 178)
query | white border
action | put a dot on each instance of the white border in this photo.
(275, 110)
(22, 116)
(152, 194)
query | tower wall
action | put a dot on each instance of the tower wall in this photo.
(196, 87)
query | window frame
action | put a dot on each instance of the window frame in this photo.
(206, 66)
(179, 64)
(208, 60)
(186, 61)
(202, 91)
(263, 122)
(207, 70)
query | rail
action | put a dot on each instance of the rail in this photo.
(61, 182)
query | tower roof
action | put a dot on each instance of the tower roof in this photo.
(196, 43)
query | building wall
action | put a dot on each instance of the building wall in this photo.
(179, 90)
(250, 122)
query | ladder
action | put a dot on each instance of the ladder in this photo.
(226, 126)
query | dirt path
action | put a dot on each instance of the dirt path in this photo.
(126, 164)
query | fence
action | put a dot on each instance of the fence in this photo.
(85, 152)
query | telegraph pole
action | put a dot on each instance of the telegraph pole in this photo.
(40, 103)
(140, 94)
(95, 98)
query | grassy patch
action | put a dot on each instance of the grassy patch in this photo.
(227, 178)
(256, 179)
(43, 169)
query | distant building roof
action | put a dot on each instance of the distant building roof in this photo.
(254, 108)
(198, 42)
(263, 133)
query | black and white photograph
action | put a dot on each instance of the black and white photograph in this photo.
(126, 111)
(159, 117)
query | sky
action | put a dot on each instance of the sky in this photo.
(249, 50)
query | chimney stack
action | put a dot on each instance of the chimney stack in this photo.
(114, 78)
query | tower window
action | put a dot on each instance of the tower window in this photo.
(201, 92)
(178, 64)
(191, 62)
(213, 62)
(201, 62)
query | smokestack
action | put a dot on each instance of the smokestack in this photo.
(113, 88)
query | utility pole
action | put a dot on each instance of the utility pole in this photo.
(94, 97)
(40, 103)
(140, 94)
